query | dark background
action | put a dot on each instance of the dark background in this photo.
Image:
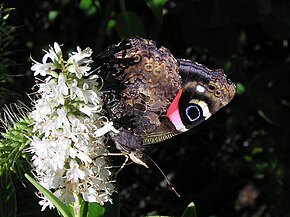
(234, 164)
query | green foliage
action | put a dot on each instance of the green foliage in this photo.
(189, 212)
(58, 204)
(240, 88)
(95, 210)
(13, 156)
(80, 208)
(88, 6)
(157, 8)
(52, 15)
(13, 144)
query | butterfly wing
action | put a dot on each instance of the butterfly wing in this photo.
(151, 96)
(142, 82)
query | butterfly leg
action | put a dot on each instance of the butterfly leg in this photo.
(123, 165)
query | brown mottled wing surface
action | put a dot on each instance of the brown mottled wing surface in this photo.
(142, 81)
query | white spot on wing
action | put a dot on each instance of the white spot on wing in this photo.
(200, 88)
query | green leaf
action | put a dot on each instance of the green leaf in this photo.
(190, 211)
(70, 208)
(156, 3)
(85, 4)
(95, 210)
(248, 158)
(129, 24)
(52, 15)
(58, 204)
(111, 24)
(88, 6)
(240, 88)
(156, 7)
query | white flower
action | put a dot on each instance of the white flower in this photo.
(54, 54)
(69, 150)
(45, 203)
(79, 62)
(42, 68)
(61, 85)
(80, 71)
(74, 173)
(65, 195)
(105, 129)
(81, 56)
(46, 68)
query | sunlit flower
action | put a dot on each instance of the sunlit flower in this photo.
(54, 54)
(42, 68)
(79, 62)
(45, 68)
(68, 146)
(45, 203)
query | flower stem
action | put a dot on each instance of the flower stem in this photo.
(76, 205)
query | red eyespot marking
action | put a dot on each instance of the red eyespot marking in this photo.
(174, 105)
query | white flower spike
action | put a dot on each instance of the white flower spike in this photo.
(69, 153)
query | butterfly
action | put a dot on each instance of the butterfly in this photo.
(151, 96)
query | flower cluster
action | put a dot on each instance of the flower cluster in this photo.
(68, 146)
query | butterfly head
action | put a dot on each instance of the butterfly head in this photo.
(202, 94)
(138, 157)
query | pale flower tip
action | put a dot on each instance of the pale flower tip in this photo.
(94, 76)
(57, 48)
(89, 51)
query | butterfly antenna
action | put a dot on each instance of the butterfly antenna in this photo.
(167, 180)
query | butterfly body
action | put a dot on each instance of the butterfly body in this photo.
(152, 96)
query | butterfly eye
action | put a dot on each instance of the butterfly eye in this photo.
(193, 112)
